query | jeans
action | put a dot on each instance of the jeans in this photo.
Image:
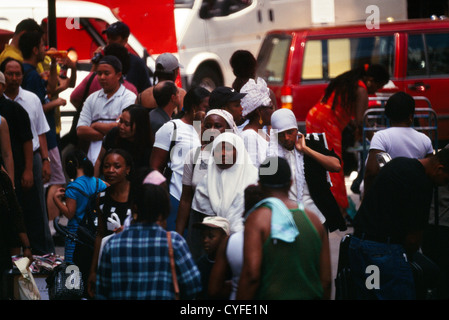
(380, 271)
(171, 220)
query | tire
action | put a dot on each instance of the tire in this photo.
(207, 77)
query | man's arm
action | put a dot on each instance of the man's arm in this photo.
(88, 133)
(46, 170)
(27, 179)
(329, 163)
(371, 169)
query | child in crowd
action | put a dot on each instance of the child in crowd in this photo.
(70, 201)
(214, 230)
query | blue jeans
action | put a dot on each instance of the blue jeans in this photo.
(171, 220)
(395, 278)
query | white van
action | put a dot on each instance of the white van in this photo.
(207, 35)
(79, 25)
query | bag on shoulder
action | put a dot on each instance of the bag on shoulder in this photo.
(168, 172)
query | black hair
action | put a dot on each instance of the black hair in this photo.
(28, 24)
(77, 159)
(119, 51)
(7, 60)
(400, 106)
(243, 65)
(253, 194)
(144, 137)
(152, 203)
(443, 158)
(192, 99)
(163, 92)
(28, 41)
(345, 85)
(275, 173)
(125, 155)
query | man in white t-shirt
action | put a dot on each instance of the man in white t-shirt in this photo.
(103, 107)
(400, 140)
(186, 138)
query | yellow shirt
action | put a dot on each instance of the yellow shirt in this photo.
(12, 52)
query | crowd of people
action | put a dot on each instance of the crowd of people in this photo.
(222, 179)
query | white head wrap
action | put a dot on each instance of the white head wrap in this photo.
(257, 94)
(227, 116)
(221, 192)
(282, 120)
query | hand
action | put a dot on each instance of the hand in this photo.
(300, 143)
(61, 101)
(27, 253)
(46, 171)
(59, 193)
(27, 179)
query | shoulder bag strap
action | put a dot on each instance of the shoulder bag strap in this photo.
(173, 140)
(172, 265)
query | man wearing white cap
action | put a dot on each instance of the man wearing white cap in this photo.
(309, 160)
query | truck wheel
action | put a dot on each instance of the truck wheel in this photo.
(208, 78)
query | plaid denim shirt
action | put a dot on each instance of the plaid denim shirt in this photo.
(135, 266)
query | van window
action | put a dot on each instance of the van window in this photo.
(313, 61)
(328, 58)
(221, 8)
(273, 57)
(416, 56)
(433, 62)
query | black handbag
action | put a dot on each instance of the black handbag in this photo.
(65, 282)
(168, 172)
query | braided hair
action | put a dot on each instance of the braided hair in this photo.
(77, 159)
(345, 85)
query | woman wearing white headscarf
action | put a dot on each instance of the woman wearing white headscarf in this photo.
(257, 108)
(230, 171)
(310, 161)
(215, 123)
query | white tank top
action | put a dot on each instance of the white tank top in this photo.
(234, 254)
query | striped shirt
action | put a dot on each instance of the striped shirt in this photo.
(135, 265)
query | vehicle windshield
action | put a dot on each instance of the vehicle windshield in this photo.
(184, 3)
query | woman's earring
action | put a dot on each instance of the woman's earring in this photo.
(260, 121)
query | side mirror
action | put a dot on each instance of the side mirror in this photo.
(204, 11)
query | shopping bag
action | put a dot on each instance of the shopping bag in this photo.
(28, 289)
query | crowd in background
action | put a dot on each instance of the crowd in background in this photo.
(222, 177)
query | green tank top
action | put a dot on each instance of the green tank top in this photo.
(291, 271)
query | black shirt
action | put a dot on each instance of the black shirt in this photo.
(398, 201)
(138, 73)
(19, 131)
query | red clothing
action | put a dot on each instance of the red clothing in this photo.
(322, 118)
